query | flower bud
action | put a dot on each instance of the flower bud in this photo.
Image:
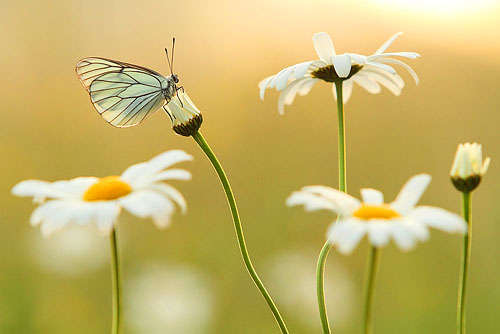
(186, 117)
(468, 167)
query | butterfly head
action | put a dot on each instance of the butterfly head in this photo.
(175, 77)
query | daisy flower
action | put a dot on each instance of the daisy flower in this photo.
(370, 72)
(86, 200)
(468, 167)
(400, 220)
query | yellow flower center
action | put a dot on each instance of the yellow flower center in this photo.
(383, 211)
(107, 188)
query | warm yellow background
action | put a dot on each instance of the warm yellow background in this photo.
(50, 131)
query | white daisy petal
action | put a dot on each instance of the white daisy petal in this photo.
(344, 203)
(300, 86)
(367, 83)
(46, 210)
(390, 81)
(381, 66)
(263, 85)
(105, 216)
(372, 196)
(402, 235)
(342, 65)
(399, 62)
(324, 46)
(387, 43)
(411, 192)
(148, 204)
(379, 231)
(346, 235)
(311, 202)
(171, 174)
(172, 193)
(440, 219)
(346, 90)
(419, 230)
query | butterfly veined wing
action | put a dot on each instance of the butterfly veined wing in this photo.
(124, 94)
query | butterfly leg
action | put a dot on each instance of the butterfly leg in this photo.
(171, 118)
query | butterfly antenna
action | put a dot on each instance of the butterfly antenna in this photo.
(173, 48)
(168, 61)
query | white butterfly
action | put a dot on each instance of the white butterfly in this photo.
(125, 94)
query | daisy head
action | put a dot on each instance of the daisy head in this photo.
(468, 167)
(185, 116)
(370, 72)
(400, 220)
(85, 200)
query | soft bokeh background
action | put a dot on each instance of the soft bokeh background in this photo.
(50, 131)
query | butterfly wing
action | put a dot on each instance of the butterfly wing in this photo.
(124, 94)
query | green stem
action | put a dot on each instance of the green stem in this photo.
(239, 232)
(369, 289)
(320, 267)
(465, 263)
(116, 283)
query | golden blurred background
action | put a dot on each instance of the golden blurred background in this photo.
(189, 278)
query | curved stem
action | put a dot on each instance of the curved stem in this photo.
(320, 267)
(465, 263)
(116, 283)
(371, 278)
(239, 232)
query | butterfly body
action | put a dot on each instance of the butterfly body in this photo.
(125, 94)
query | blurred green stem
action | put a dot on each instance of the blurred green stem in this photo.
(320, 267)
(465, 263)
(239, 232)
(369, 289)
(116, 283)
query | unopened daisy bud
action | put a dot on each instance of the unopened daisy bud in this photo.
(186, 117)
(468, 167)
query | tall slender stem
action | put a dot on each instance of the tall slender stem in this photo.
(369, 289)
(465, 263)
(239, 232)
(116, 283)
(320, 267)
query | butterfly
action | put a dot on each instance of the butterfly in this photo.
(125, 94)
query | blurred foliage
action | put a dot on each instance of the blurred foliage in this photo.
(50, 131)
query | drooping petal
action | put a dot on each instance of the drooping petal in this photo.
(311, 202)
(346, 234)
(390, 81)
(388, 43)
(172, 193)
(367, 83)
(105, 215)
(381, 66)
(346, 90)
(399, 62)
(300, 86)
(403, 236)
(372, 196)
(342, 65)
(344, 204)
(379, 231)
(439, 218)
(149, 204)
(263, 85)
(324, 46)
(411, 192)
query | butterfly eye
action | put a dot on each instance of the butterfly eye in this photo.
(176, 78)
